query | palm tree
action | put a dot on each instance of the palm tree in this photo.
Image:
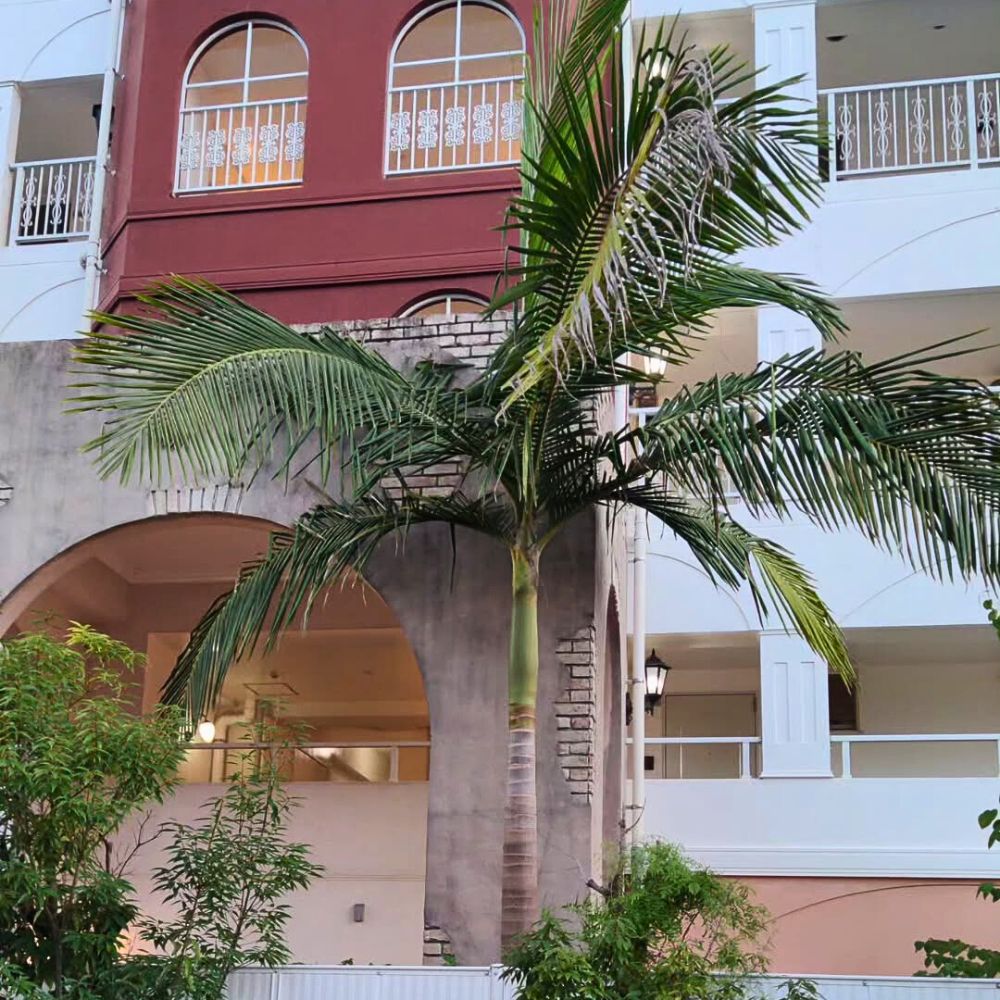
(635, 202)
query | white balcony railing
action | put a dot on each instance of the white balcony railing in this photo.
(454, 126)
(52, 200)
(376, 762)
(845, 743)
(919, 757)
(920, 125)
(247, 145)
(742, 747)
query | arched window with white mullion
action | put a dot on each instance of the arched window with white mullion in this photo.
(456, 76)
(243, 110)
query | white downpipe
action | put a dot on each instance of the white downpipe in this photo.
(92, 262)
(637, 683)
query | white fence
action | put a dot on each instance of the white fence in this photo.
(52, 200)
(340, 982)
(454, 125)
(245, 145)
(318, 982)
(920, 125)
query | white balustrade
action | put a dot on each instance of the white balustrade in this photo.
(920, 125)
(454, 126)
(322, 753)
(744, 743)
(247, 145)
(52, 200)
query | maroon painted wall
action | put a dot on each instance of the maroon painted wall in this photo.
(348, 243)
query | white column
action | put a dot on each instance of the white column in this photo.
(794, 709)
(10, 120)
(781, 331)
(785, 45)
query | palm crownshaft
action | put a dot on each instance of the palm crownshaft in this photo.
(630, 214)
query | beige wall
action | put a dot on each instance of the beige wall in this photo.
(866, 926)
(371, 839)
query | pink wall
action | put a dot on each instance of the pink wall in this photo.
(867, 926)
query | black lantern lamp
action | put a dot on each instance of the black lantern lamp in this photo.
(656, 679)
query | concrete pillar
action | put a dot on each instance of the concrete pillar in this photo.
(781, 331)
(794, 709)
(10, 121)
(785, 45)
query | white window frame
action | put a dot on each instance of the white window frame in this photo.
(445, 297)
(244, 105)
(456, 60)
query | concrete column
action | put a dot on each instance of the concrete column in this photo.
(781, 331)
(794, 709)
(10, 121)
(785, 45)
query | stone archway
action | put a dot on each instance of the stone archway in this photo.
(351, 679)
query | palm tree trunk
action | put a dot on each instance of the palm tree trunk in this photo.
(519, 907)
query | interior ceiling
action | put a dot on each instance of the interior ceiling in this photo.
(868, 646)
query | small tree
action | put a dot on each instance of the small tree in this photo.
(668, 928)
(226, 877)
(76, 761)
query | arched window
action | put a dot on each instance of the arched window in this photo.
(447, 305)
(455, 82)
(243, 110)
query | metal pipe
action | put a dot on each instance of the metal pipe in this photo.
(93, 263)
(637, 683)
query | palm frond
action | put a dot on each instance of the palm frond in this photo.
(329, 545)
(731, 556)
(909, 457)
(627, 242)
(212, 384)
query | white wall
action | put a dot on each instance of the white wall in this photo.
(52, 40)
(372, 841)
(827, 826)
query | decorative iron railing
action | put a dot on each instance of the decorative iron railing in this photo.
(247, 145)
(52, 200)
(454, 126)
(921, 125)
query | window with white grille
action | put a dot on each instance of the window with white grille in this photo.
(243, 110)
(456, 77)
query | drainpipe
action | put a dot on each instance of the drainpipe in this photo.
(92, 262)
(637, 683)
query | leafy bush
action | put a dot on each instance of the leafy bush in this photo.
(665, 928)
(76, 762)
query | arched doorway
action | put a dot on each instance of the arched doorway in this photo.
(350, 681)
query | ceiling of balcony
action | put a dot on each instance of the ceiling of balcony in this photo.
(898, 40)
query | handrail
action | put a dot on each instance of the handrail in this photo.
(914, 737)
(328, 744)
(860, 88)
(745, 743)
(53, 163)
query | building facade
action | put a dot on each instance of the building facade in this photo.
(853, 814)
(344, 162)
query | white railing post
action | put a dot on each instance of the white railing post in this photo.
(745, 759)
(831, 137)
(845, 759)
(15, 206)
(394, 764)
(970, 119)
(998, 758)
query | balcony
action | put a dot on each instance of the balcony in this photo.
(884, 780)
(920, 126)
(52, 200)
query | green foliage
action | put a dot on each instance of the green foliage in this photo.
(76, 761)
(668, 928)
(226, 879)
